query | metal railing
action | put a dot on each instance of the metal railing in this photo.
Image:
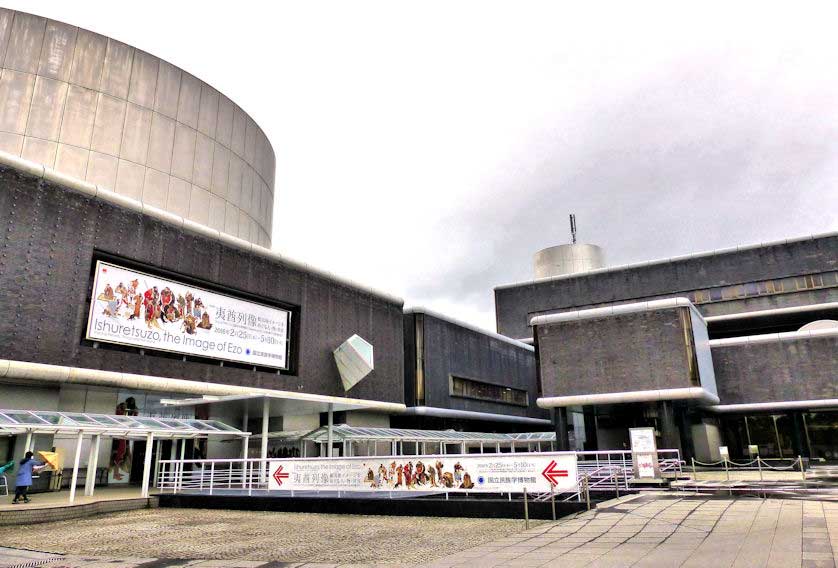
(597, 471)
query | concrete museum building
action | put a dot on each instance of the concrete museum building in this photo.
(137, 284)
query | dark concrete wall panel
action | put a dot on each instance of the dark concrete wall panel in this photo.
(451, 349)
(628, 352)
(49, 236)
(804, 369)
(665, 280)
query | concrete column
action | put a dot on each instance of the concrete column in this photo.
(149, 444)
(329, 428)
(798, 435)
(560, 426)
(670, 435)
(589, 415)
(76, 459)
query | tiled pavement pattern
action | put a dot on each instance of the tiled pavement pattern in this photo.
(258, 536)
(667, 532)
(638, 531)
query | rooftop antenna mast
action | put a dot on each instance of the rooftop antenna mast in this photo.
(573, 228)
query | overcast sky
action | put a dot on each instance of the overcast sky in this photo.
(430, 148)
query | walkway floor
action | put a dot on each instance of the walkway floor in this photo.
(61, 498)
(649, 530)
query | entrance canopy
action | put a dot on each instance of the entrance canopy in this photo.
(342, 432)
(14, 422)
(287, 403)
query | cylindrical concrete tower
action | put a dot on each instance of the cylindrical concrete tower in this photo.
(104, 112)
(567, 259)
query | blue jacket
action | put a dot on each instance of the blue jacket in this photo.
(24, 472)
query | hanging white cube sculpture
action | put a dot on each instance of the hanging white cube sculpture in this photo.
(355, 361)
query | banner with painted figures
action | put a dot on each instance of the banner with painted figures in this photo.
(133, 308)
(494, 473)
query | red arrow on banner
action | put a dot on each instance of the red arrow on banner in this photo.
(279, 475)
(550, 473)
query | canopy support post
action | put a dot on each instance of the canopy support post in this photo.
(75, 477)
(28, 442)
(263, 453)
(149, 444)
(157, 461)
(245, 419)
(92, 464)
(331, 425)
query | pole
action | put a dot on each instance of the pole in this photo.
(179, 481)
(329, 429)
(245, 420)
(553, 500)
(246, 452)
(617, 483)
(526, 511)
(157, 463)
(75, 477)
(759, 467)
(147, 463)
(263, 454)
(694, 477)
(587, 493)
(28, 442)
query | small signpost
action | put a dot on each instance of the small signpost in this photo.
(644, 453)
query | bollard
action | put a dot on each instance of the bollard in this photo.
(727, 476)
(802, 471)
(617, 484)
(526, 511)
(553, 500)
(694, 477)
(759, 467)
(587, 493)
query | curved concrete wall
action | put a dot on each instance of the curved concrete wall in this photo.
(102, 111)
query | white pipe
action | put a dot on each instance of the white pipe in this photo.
(470, 414)
(688, 393)
(778, 405)
(41, 372)
(92, 455)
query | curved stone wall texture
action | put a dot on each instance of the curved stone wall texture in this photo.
(102, 111)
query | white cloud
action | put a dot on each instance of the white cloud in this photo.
(430, 148)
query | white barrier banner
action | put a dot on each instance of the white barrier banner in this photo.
(133, 308)
(495, 473)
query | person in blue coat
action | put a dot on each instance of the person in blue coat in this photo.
(24, 477)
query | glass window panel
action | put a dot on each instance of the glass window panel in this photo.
(51, 417)
(26, 418)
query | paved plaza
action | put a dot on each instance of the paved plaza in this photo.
(659, 530)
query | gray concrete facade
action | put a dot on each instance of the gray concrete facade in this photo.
(437, 349)
(516, 304)
(52, 236)
(101, 111)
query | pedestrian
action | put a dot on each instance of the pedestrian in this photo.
(24, 477)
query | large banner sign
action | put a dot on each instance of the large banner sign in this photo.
(495, 473)
(134, 308)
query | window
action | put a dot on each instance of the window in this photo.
(469, 388)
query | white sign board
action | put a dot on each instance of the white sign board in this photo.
(644, 453)
(494, 473)
(133, 308)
